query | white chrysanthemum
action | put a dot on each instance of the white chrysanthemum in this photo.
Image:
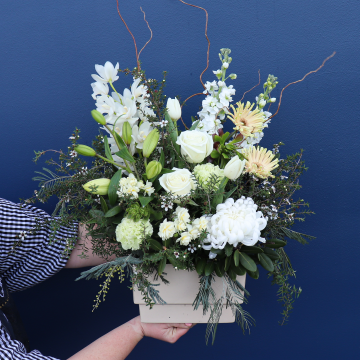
(204, 173)
(131, 233)
(182, 214)
(236, 222)
(166, 230)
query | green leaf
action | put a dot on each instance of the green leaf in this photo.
(229, 193)
(173, 133)
(216, 200)
(162, 265)
(239, 270)
(155, 245)
(174, 262)
(217, 138)
(119, 140)
(195, 123)
(215, 154)
(247, 262)
(113, 211)
(166, 171)
(113, 187)
(266, 262)
(200, 266)
(271, 254)
(253, 274)
(144, 200)
(209, 268)
(125, 154)
(275, 243)
(227, 263)
(217, 251)
(219, 270)
(96, 213)
(107, 149)
(229, 249)
(225, 156)
(104, 206)
(252, 249)
(162, 158)
(232, 274)
(192, 202)
(224, 138)
(236, 257)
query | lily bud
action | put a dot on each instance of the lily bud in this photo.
(150, 142)
(153, 169)
(126, 133)
(174, 109)
(234, 168)
(85, 150)
(98, 186)
(98, 117)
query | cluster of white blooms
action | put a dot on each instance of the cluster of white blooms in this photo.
(130, 186)
(182, 224)
(234, 223)
(214, 106)
(133, 105)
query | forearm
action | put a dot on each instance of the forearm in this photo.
(90, 259)
(115, 345)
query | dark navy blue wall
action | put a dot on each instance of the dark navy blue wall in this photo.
(48, 51)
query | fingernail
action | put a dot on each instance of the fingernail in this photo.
(188, 324)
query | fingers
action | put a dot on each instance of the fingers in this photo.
(181, 326)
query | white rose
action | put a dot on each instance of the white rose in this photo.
(182, 214)
(179, 182)
(185, 238)
(166, 229)
(195, 145)
(234, 168)
(173, 109)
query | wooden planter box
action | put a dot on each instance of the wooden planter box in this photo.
(179, 296)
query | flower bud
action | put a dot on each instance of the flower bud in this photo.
(225, 65)
(153, 169)
(150, 142)
(173, 109)
(98, 117)
(85, 150)
(126, 133)
(233, 76)
(98, 186)
(234, 168)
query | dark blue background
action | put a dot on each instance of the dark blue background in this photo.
(48, 51)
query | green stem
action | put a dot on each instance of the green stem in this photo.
(113, 162)
(112, 86)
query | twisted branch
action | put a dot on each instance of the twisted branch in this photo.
(294, 82)
(252, 87)
(151, 34)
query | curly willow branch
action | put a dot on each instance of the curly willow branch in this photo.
(136, 51)
(252, 87)
(208, 49)
(151, 33)
(294, 82)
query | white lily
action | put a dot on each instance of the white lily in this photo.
(108, 73)
(139, 134)
(99, 88)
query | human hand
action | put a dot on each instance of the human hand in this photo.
(165, 332)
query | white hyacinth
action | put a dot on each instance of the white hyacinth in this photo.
(234, 223)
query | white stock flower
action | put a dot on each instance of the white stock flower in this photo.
(236, 222)
(234, 168)
(180, 182)
(107, 72)
(195, 145)
(139, 134)
(173, 108)
(166, 229)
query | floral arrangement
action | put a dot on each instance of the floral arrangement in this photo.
(203, 196)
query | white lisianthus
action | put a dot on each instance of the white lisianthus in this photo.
(139, 134)
(107, 72)
(173, 109)
(180, 182)
(234, 168)
(180, 225)
(195, 145)
(234, 223)
(182, 214)
(166, 229)
(184, 239)
(193, 231)
(201, 223)
(131, 233)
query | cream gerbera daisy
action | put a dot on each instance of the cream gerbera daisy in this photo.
(246, 121)
(260, 161)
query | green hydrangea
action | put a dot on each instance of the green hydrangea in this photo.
(209, 176)
(136, 212)
(131, 233)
